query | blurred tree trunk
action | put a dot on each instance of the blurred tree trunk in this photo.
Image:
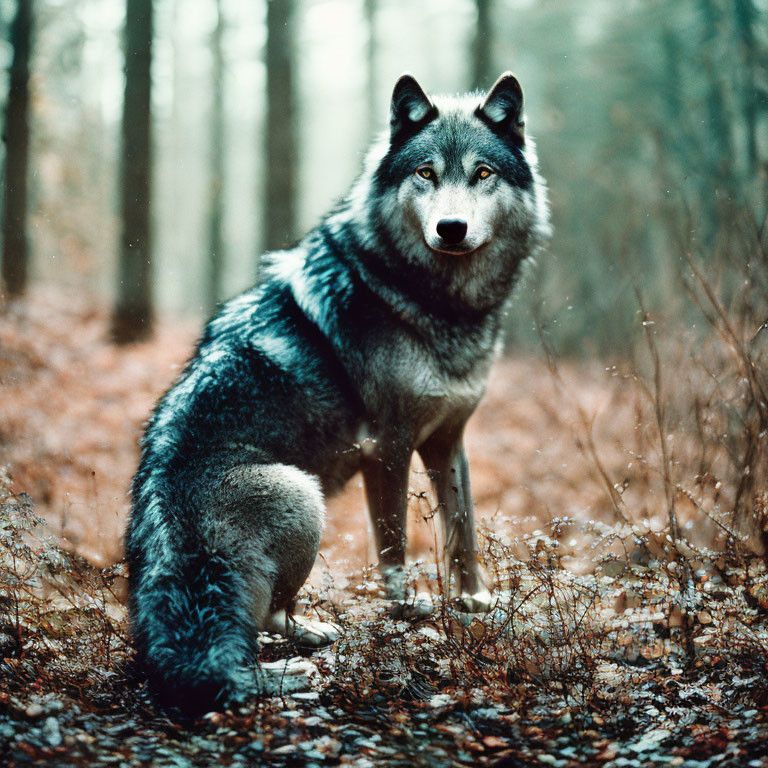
(672, 96)
(680, 141)
(5, 37)
(132, 317)
(15, 251)
(280, 167)
(745, 21)
(371, 107)
(482, 47)
(216, 240)
(720, 140)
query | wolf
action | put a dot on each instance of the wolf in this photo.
(369, 340)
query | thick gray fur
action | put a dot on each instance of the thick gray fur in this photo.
(370, 339)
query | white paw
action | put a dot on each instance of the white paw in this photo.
(419, 607)
(477, 602)
(311, 632)
(287, 676)
(302, 630)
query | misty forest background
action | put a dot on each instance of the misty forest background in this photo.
(160, 192)
(155, 149)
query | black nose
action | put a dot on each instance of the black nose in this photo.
(452, 231)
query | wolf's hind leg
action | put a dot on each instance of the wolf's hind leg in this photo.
(289, 511)
(272, 514)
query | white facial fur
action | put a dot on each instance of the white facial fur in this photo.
(480, 202)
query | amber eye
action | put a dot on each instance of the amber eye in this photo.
(425, 172)
(484, 173)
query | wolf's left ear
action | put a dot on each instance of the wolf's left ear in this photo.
(502, 109)
(411, 108)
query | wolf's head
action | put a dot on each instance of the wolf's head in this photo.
(455, 187)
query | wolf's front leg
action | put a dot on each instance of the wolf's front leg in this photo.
(445, 461)
(386, 488)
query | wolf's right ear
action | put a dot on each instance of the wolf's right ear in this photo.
(411, 108)
(502, 109)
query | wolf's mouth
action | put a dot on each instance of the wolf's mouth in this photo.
(454, 250)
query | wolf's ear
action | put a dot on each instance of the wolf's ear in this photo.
(411, 108)
(502, 109)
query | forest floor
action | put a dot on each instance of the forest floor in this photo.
(610, 644)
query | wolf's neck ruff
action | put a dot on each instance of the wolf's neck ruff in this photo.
(370, 340)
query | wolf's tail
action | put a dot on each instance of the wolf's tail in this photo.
(210, 558)
(193, 631)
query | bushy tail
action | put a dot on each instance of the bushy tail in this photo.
(192, 630)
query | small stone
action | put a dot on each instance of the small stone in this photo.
(430, 632)
(366, 743)
(51, 732)
(440, 700)
(312, 721)
(35, 709)
(486, 713)
(328, 746)
(288, 749)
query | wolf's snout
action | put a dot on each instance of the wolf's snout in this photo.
(452, 231)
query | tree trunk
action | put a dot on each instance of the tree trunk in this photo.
(215, 224)
(482, 47)
(132, 317)
(15, 250)
(719, 128)
(371, 106)
(280, 167)
(676, 140)
(745, 17)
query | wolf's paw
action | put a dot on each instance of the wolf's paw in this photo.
(395, 583)
(304, 631)
(419, 607)
(311, 632)
(286, 676)
(477, 602)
